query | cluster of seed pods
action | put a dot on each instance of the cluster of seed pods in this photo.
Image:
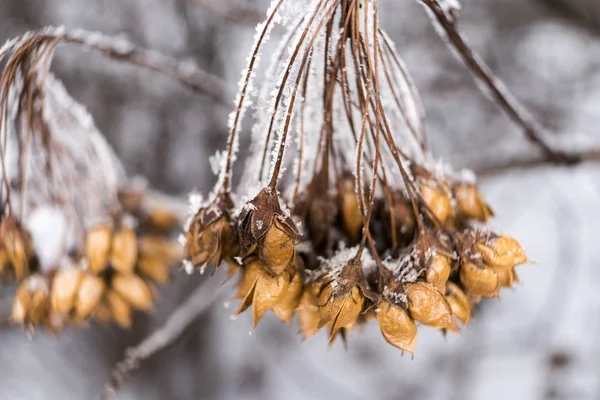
(358, 222)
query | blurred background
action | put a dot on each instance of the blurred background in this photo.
(538, 342)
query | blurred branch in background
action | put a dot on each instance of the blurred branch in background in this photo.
(230, 11)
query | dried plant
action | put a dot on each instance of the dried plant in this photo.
(83, 242)
(357, 220)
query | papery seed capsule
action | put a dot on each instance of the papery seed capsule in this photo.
(268, 292)
(17, 247)
(503, 251)
(438, 271)
(124, 250)
(98, 243)
(38, 306)
(342, 309)
(288, 303)
(161, 248)
(397, 327)
(308, 311)
(21, 304)
(101, 313)
(470, 202)
(245, 293)
(64, 289)
(89, 294)
(278, 250)
(428, 306)
(352, 218)
(119, 309)
(505, 276)
(459, 303)
(161, 219)
(56, 322)
(134, 290)
(153, 268)
(479, 281)
(438, 202)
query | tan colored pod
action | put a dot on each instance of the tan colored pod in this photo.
(134, 290)
(21, 304)
(161, 248)
(308, 311)
(459, 303)
(98, 242)
(479, 281)
(503, 252)
(438, 271)
(119, 309)
(290, 300)
(341, 310)
(352, 218)
(162, 219)
(428, 306)
(278, 250)
(124, 250)
(267, 293)
(89, 294)
(438, 202)
(470, 202)
(155, 269)
(397, 327)
(64, 289)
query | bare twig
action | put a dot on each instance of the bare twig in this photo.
(443, 17)
(530, 162)
(121, 49)
(232, 12)
(200, 300)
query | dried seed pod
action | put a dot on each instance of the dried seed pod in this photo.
(397, 327)
(459, 303)
(98, 241)
(277, 250)
(288, 303)
(505, 276)
(21, 304)
(470, 202)
(161, 219)
(64, 289)
(134, 290)
(153, 268)
(39, 305)
(438, 201)
(17, 246)
(341, 310)
(160, 247)
(502, 251)
(352, 219)
(398, 219)
(308, 311)
(101, 313)
(438, 271)
(479, 281)
(209, 236)
(89, 294)
(119, 309)
(124, 250)
(428, 306)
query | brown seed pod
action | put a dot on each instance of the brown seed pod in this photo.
(428, 306)
(119, 309)
(124, 250)
(308, 310)
(161, 219)
(159, 247)
(101, 313)
(341, 310)
(459, 303)
(502, 251)
(438, 201)
(89, 294)
(21, 304)
(438, 271)
(288, 303)
(154, 268)
(134, 290)
(397, 327)
(470, 202)
(64, 289)
(318, 210)
(98, 242)
(398, 219)
(31, 306)
(352, 219)
(17, 246)
(506, 276)
(277, 250)
(479, 280)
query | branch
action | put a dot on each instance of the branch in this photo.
(200, 300)
(530, 162)
(232, 12)
(121, 49)
(443, 17)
